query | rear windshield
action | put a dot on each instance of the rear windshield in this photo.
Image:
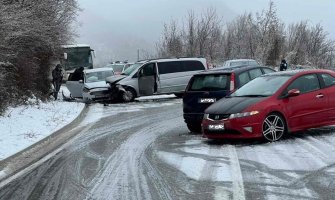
(210, 82)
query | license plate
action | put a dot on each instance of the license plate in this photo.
(216, 127)
(207, 100)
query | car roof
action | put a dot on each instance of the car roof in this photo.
(177, 59)
(299, 72)
(98, 69)
(235, 60)
(236, 69)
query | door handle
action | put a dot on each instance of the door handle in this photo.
(319, 96)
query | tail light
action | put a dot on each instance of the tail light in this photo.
(232, 82)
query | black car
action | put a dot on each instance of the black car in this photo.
(209, 86)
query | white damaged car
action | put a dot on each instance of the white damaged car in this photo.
(93, 87)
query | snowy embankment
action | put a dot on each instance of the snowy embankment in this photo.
(25, 125)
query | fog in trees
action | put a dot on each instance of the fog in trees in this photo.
(261, 36)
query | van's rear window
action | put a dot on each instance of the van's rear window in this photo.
(210, 82)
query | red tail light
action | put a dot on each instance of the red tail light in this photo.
(232, 82)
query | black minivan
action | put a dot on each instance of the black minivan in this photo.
(209, 86)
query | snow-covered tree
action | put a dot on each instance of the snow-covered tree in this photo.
(32, 34)
(261, 36)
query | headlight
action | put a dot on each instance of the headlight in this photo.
(206, 116)
(245, 114)
(86, 90)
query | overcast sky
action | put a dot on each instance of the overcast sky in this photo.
(117, 28)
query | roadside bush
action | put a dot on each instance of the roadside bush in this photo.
(32, 32)
(8, 85)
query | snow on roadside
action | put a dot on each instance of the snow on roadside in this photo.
(25, 125)
(154, 97)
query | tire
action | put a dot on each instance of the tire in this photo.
(274, 127)
(179, 95)
(87, 101)
(129, 95)
(195, 128)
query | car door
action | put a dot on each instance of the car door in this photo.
(329, 87)
(169, 78)
(147, 79)
(75, 87)
(309, 108)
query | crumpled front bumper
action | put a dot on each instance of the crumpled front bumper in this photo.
(95, 94)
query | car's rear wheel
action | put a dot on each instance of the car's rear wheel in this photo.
(129, 95)
(179, 95)
(274, 127)
(195, 128)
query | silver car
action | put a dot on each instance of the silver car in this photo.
(239, 62)
(159, 76)
(93, 86)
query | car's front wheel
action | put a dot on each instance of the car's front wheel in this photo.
(274, 127)
(129, 95)
(195, 128)
(179, 95)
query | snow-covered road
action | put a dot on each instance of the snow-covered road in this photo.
(144, 151)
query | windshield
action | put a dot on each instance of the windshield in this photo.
(132, 68)
(77, 57)
(262, 86)
(213, 82)
(98, 76)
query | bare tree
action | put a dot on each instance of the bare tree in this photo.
(207, 25)
(201, 36)
(309, 45)
(172, 44)
(261, 36)
(270, 31)
(190, 35)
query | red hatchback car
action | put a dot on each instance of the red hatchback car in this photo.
(272, 105)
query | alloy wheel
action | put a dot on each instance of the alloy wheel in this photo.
(273, 127)
(128, 96)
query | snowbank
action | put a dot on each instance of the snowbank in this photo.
(25, 125)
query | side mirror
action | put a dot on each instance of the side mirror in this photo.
(292, 93)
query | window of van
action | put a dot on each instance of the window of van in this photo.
(210, 82)
(179, 66)
(192, 66)
(148, 70)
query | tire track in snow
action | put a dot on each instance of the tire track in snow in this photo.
(123, 177)
(158, 181)
(236, 175)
